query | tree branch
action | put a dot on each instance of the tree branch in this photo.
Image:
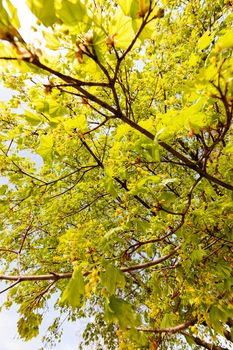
(9, 287)
(207, 345)
(67, 275)
(170, 330)
(121, 58)
(176, 154)
(51, 276)
(70, 80)
(151, 263)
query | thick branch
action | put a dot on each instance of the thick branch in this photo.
(227, 335)
(206, 345)
(176, 154)
(151, 263)
(77, 84)
(68, 79)
(67, 275)
(52, 276)
(170, 330)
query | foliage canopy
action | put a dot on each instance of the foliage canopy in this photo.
(127, 215)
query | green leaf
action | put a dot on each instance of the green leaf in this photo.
(140, 185)
(166, 321)
(168, 181)
(78, 123)
(190, 340)
(223, 269)
(142, 225)
(129, 7)
(9, 22)
(157, 136)
(45, 149)
(3, 189)
(32, 118)
(56, 109)
(197, 255)
(110, 186)
(225, 42)
(118, 310)
(71, 12)
(42, 106)
(155, 179)
(121, 30)
(28, 327)
(14, 16)
(112, 232)
(44, 10)
(4, 19)
(205, 40)
(51, 40)
(112, 278)
(74, 291)
(217, 315)
(154, 151)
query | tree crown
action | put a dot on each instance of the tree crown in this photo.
(117, 150)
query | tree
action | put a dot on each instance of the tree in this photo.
(127, 217)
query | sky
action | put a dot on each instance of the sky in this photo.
(8, 318)
(10, 340)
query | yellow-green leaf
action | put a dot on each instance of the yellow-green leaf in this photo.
(71, 12)
(205, 40)
(194, 59)
(121, 30)
(28, 327)
(74, 291)
(166, 321)
(32, 118)
(112, 278)
(44, 10)
(129, 7)
(226, 41)
(14, 17)
(119, 310)
(46, 147)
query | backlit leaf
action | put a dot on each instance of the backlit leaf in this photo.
(166, 321)
(44, 10)
(112, 278)
(45, 148)
(28, 327)
(121, 30)
(71, 12)
(205, 40)
(74, 291)
(119, 310)
(129, 7)
(225, 42)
